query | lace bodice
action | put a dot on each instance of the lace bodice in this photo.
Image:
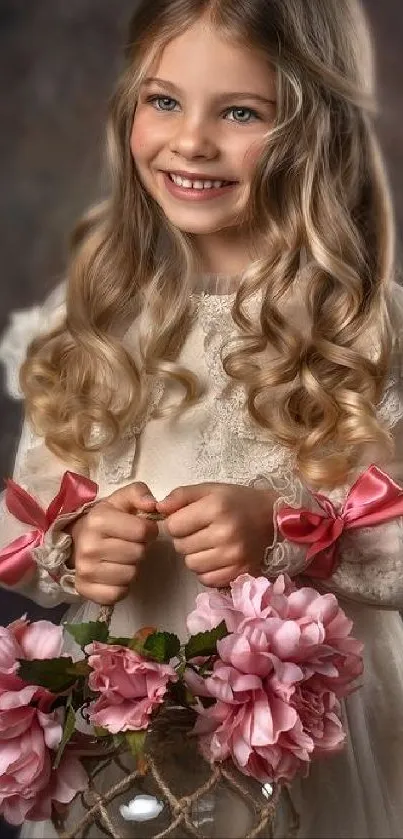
(216, 440)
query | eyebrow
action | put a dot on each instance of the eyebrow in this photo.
(219, 98)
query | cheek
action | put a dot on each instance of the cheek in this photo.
(139, 139)
(148, 137)
(244, 152)
(252, 154)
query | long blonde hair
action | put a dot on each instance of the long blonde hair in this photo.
(319, 187)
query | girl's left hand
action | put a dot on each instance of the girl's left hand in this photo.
(221, 530)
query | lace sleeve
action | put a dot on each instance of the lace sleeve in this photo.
(369, 560)
(47, 580)
(36, 566)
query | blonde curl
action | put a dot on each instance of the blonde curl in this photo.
(320, 210)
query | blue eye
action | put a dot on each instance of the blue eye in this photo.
(162, 103)
(240, 114)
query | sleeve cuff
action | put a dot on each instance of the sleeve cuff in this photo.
(52, 556)
(281, 556)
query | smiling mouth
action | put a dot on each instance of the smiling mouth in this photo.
(199, 184)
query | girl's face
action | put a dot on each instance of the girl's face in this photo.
(199, 126)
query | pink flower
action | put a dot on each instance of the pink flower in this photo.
(21, 639)
(277, 678)
(319, 712)
(28, 785)
(30, 734)
(212, 607)
(250, 723)
(298, 626)
(131, 687)
(250, 597)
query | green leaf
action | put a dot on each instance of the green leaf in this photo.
(55, 674)
(205, 643)
(68, 730)
(85, 633)
(162, 646)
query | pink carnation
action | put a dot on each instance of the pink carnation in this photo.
(260, 731)
(131, 687)
(213, 607)
(278, 676)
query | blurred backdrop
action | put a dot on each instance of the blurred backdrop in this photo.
(58, 61)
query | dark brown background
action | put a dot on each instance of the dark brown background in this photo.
(58, 60)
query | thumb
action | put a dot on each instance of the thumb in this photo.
(182, 496)
(133, 497)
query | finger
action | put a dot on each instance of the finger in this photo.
(107, 520)
(101, 594)
(189, 520)
(135, 496)
(220, 578)
(110, 574)
(182, 496)
(206, 561)
(203, 540)
(119, 553)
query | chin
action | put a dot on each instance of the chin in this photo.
(202, 227)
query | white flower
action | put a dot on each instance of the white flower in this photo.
(142, 808)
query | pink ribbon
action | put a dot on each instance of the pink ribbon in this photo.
(373, 499)
(16, 559)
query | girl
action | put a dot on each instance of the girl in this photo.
(229, 344)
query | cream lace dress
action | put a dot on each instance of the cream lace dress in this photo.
(359, 793)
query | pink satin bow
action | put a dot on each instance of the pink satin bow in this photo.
(16, 558)
(373, 499)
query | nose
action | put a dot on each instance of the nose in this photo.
(193, 139)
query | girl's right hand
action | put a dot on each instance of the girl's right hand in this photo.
(109, 541)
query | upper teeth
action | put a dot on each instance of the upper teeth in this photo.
(177, 179)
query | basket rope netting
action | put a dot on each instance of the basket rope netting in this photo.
(171, 791)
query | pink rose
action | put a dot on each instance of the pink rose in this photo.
(21, 639)
(131, 687)
(28, 785)
(30, 733)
